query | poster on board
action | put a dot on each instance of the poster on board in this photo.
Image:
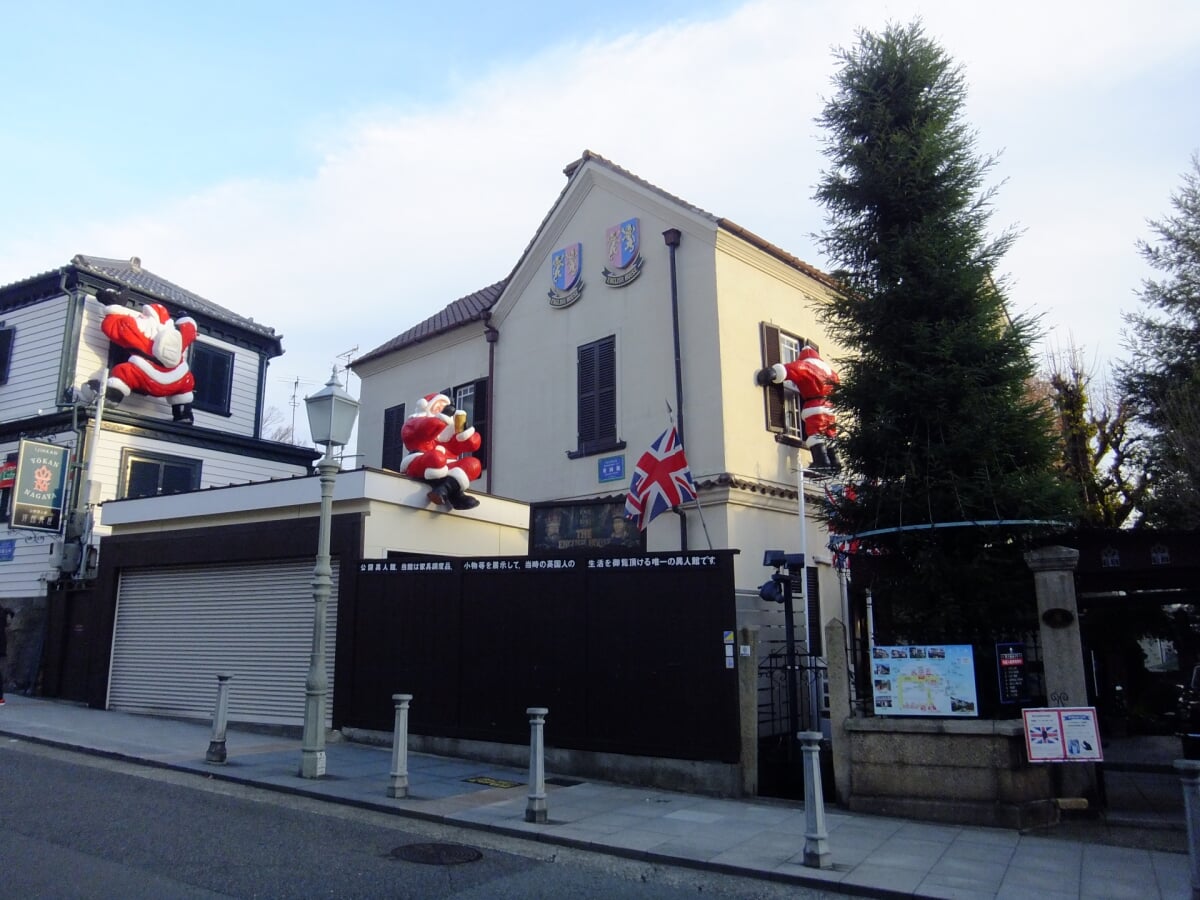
(924, 680)
(1062, 734)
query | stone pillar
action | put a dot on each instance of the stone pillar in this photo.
(1189, 775)
(398, 784)
(747, 669)
(1062, 647)
(216, 747)
(535, 809)
(817, 854)
(839, 707)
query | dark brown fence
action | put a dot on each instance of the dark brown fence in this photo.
(628, 652)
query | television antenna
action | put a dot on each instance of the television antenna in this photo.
(294, 402)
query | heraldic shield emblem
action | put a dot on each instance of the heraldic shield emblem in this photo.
(566, 265)
(624, 259)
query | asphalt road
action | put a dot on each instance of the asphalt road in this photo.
(78, 826)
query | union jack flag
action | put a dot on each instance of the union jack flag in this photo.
(661, 480)
(1044, 734)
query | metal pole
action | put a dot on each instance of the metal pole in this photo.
(216, 747)
(398, 787)
(813, 711)
(672, 237)
(316, 686)
(535, 810)
(789, 636)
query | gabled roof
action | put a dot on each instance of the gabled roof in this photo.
(130, 272)
(470, 308)
(478, 305)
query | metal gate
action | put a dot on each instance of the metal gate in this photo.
(178, 627)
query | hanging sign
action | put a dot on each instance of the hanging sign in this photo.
(40, 489)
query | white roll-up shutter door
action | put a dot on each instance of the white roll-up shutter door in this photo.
(177, 628)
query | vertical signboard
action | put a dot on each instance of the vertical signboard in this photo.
(1010, 672)
(39, 492)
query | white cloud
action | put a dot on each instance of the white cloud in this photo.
(409, 210)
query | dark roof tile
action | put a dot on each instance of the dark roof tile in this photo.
(131, 273)
(470, 308)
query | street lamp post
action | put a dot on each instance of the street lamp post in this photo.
(331, 414)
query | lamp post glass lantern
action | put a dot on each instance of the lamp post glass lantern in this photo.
(331, 415)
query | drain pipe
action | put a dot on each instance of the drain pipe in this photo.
(492, 334)
(672, 237)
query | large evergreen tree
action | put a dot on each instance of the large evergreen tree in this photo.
(938, 426)
(1164, 374)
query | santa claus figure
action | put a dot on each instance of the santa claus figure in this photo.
(813, 380)
(157, 363)
(436, 437)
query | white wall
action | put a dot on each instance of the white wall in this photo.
(37, 348)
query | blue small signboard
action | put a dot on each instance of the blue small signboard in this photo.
(7, 548)
(612, 468)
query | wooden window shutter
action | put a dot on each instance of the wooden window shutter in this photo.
(393, 447)
(597, 385)
(586, 374)
(480, 419)
(773, 393)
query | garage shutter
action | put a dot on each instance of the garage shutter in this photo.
(178, 627)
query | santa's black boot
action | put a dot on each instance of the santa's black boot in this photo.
(459, 498)
(820, 458)
(182, 413)
(113, 396)
(835, 461)
(440, 493)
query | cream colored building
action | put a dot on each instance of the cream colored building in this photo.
(571, 383)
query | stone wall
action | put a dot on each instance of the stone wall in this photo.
(968, 772)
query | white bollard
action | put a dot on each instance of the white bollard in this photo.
(216, 747)
(398, 786)
(816, 838)
(535, 810)
(1189, 774)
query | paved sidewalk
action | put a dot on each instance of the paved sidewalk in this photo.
(872, 855)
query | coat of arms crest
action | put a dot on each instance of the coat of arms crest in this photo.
(623, 243)
(566, 265)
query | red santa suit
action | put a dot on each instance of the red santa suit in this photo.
(435, 447)
(813, 379)
(158, 365)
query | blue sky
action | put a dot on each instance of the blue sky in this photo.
(342, 173)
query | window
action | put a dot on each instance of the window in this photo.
(213, 370)
(151, 474)
(6, 345)
(782, 407)
(393, 447)
(472, 399)
(596, 368)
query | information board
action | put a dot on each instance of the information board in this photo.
(1062, 734)
(924, 680)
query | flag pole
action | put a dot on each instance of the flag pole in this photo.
(696, 492)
